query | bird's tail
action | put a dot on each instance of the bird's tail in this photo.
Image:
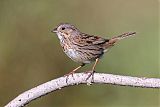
(119, 37)
(113, 40)
(124, 35)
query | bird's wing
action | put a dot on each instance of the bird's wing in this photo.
(93, 40)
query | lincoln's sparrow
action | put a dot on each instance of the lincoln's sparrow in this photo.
(82, 47)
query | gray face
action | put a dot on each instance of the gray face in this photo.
(65, 30)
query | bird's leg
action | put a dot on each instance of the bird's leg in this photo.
(73, 71)
(93, 70)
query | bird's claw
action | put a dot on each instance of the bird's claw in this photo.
(91, 73)
(67, 75)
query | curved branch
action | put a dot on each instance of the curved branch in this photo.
(80, 78)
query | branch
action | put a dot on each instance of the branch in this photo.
(80, 78)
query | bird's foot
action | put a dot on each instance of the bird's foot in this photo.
(91, 74)
(67, 76)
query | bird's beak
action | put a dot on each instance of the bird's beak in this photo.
(54, 30)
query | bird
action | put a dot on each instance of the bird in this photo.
(84, 48)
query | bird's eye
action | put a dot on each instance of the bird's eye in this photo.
(63, 28)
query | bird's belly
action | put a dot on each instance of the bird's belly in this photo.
(76, 56)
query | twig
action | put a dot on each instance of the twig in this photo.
(80, 78)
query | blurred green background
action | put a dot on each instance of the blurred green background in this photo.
(31, 55)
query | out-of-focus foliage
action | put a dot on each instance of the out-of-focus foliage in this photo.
(30, 54)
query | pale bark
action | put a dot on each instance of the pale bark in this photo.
(80, 78)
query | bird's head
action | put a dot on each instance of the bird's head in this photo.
(65, 30)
